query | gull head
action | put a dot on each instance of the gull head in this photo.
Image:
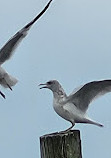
(52, 85)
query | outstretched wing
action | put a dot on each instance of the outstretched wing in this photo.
(7, 50)
(83, 97)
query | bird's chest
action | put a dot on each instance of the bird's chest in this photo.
(68, 111)
(59, 109)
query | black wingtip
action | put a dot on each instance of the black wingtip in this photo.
(38, 16)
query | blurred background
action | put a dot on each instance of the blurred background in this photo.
(71, 42)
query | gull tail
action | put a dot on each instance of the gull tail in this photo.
(97, 124)
(93, 122)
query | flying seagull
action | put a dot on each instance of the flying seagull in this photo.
(7, 50)
(73, 108)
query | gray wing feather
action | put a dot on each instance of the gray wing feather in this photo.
(82, 98)
(7, 50)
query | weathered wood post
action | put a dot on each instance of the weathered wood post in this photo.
(58, 145)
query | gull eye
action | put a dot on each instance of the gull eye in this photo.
(49, 82)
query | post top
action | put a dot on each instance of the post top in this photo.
(71, 132)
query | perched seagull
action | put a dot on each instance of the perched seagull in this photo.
(7, 50)
(73, 108)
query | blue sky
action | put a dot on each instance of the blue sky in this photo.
(70, 43)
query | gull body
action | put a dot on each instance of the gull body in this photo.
(6, 80)
(73, 108)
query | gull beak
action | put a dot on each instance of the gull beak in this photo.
(43, 85)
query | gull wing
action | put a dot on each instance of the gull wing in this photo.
(76, 89)
(7, 50)
(90, 91)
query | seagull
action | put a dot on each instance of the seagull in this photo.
(7, 51)
(73, 108)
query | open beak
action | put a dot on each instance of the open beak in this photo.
(43, 85)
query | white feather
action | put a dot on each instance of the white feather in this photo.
(6, 79)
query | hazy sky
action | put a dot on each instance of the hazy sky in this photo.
(70, 43)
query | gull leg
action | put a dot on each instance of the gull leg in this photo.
(67, 130)
(2, 94)
(9, 86)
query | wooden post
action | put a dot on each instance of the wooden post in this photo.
(58, 145)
